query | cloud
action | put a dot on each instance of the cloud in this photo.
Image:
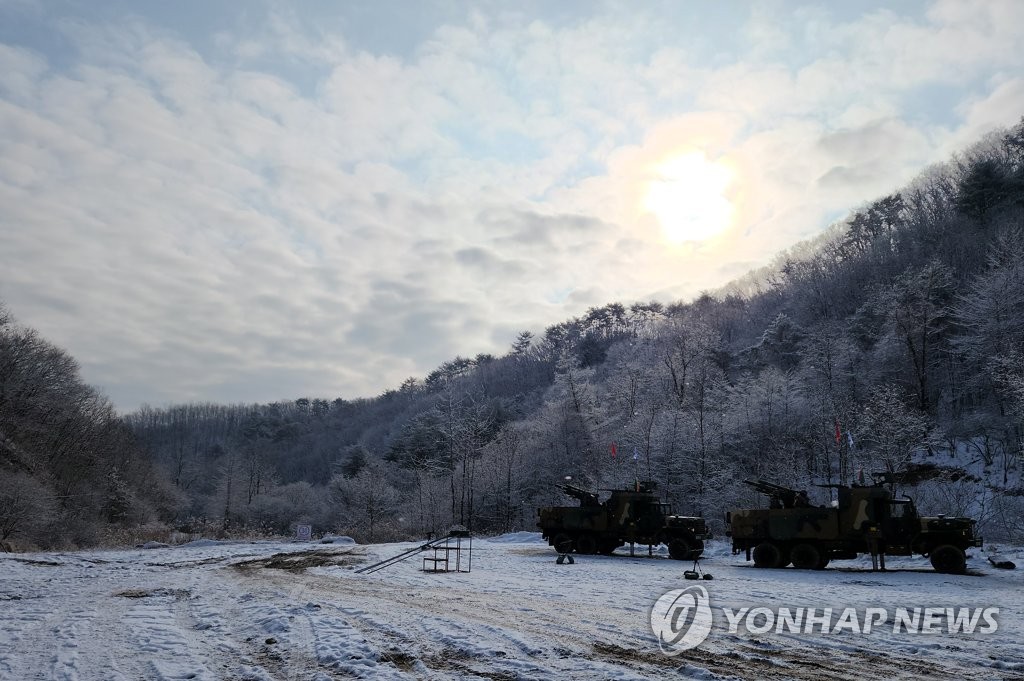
(288, 208)
(982, 114)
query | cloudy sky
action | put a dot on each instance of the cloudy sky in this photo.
(235, 202)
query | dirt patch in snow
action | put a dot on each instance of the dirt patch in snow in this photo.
(296, 562)
(400, 659)
(195, 563)
(748, 662)
(178, 594)
(462, 664)
(32, 561)
(630, 655)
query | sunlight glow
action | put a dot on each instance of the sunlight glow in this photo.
(688, 197)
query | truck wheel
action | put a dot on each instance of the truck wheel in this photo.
(586, 544)
(685, 549)
(562, 543)
(822, 564)
(609, 545)
(949, 560)
(767, 555)
(805, 557)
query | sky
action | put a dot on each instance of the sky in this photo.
(246, 202)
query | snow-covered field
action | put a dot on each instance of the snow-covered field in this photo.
(217, 610)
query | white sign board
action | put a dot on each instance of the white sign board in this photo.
(304, 532)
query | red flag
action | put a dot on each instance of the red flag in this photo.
(838, 434)
(615, 450)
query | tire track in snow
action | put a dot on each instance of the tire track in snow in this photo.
(468, 634)
(67, 631)
(155, 629)
(25, 628)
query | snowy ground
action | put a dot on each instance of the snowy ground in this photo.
(231, 611)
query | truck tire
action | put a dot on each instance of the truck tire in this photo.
(608, 546)
(678, 549)
(767, 555)
(805, 557)
(684, 548)
(586, 544)
(562, 542)
(948, 559)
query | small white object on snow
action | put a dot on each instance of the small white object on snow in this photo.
(337, 539)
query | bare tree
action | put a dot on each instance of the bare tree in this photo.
(368, 501)
(26, 506)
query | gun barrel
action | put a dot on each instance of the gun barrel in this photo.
(769, 488)
(783, 497)
(583, 496)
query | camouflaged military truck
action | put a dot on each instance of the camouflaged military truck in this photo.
(867, 519)
(628, 516)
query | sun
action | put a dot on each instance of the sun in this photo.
(689, 197)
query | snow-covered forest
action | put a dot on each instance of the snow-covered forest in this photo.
(893, 340)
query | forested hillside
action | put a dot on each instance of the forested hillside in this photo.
(896, 335)
(71, 470)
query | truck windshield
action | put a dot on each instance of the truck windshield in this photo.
(900, 509)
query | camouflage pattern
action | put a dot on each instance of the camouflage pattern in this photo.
(866, 519)
(633, 516)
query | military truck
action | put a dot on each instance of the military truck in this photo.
(866, 519)
(634, 516)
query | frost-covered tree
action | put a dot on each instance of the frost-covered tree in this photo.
(367, 503)
(888, 431)
(27, 506)
(918, 307)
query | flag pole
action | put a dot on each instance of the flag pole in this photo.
(636, 474)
